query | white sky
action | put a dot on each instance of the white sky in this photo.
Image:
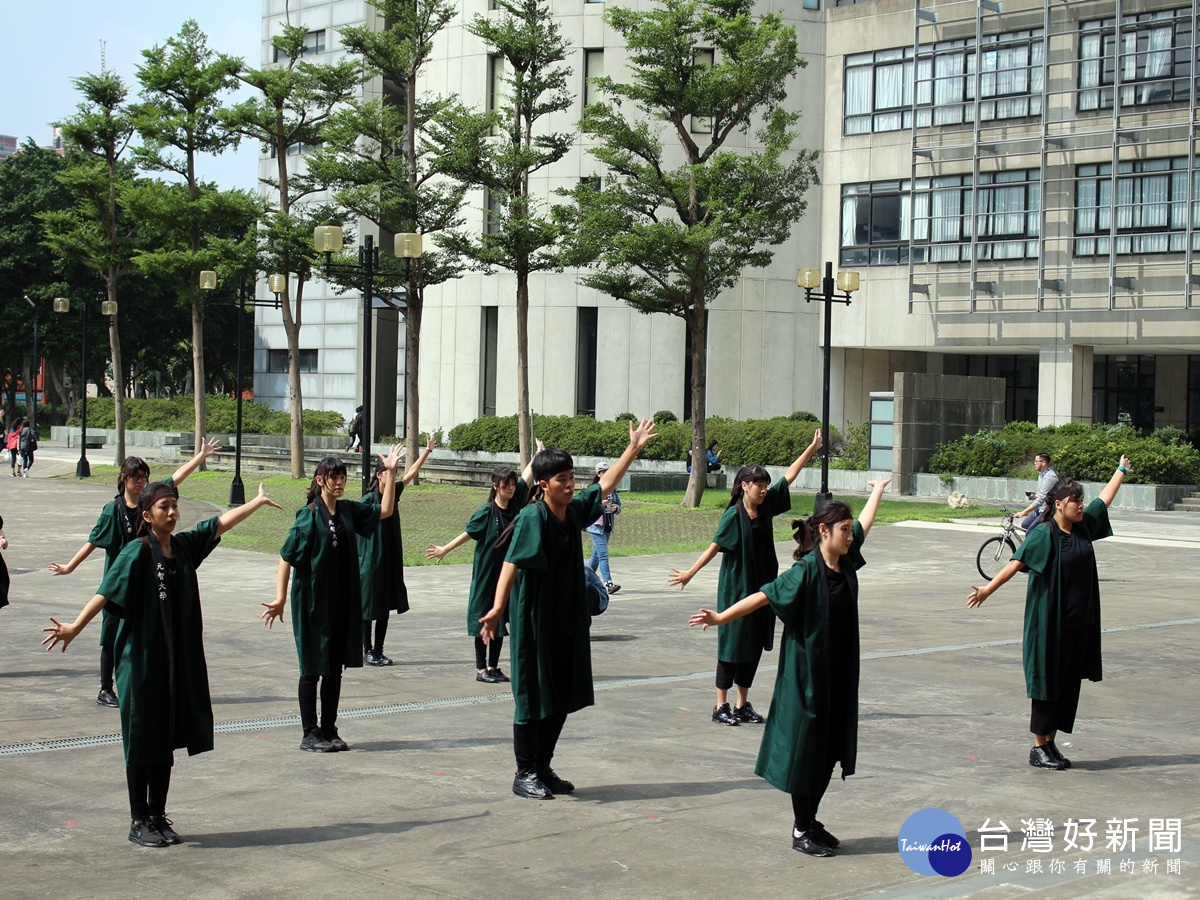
(49, 43)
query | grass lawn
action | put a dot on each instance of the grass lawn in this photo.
(650, 522)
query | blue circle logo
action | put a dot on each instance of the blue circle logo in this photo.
(933, 842)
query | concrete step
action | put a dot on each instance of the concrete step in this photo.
(1192, 504)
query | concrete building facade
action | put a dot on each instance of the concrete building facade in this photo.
(967, 167)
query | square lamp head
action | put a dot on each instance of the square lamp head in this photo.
(62, 305)
(407, 246)
(847, 281)
(327, 239)
(808, 278)
(277, 284)
(208, 280)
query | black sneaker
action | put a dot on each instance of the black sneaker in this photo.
(143, 833)
(612, 588)
(748, 715)
(336, 743)
(497, 675)
(808, 842)
(722, 715)
(314, 742)
(1057, 754)
(486, 677)
(529, 786)
(383, 660)
(1042, 758)
(163, 826)
(107, 698)
(370, 658)
(553, 783)
(821, 834)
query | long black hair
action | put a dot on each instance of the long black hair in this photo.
(502, 475)
(146, 500)
(330, 465)
(1064, 489)
(751, 474)
(807, 532)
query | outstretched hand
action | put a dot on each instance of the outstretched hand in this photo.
(211, 448)
(640, 436)
(430, 442)
(704, 619)
(265, 499)
(818, 440)
(60, 632)
(489, 625)
(679, 577)
(272, 612)
(541, 445)
(976, 597)
(433, 551)
(393, 457)
(879, 482)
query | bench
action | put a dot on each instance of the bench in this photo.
(672, 481)
(92, 443)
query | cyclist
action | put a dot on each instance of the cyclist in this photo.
(1047, 478)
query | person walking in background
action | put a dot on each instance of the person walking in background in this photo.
(161, 670)
(381, 563)
(813, 722)
(327, 610)
(356, 430)
(117, 526)
(1061, 642)
(4, 579)
(600, 532)
(745, 539)
(27, 443)
(12, 445)
(1047, 478)
(488, 527)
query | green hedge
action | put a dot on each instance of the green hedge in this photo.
(771, 442)
(1086, 453)
(178, 414)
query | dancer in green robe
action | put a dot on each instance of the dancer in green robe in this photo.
(151, 590)
(813, 722)
(550, 650)
(1061, 644)
(745, 539)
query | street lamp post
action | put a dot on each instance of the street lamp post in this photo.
(823, 289)
(83, 469)
(37, 367)
(277, 284)
(328, 239)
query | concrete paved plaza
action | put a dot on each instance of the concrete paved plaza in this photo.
(667, 804)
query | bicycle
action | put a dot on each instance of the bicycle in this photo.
(994, 554)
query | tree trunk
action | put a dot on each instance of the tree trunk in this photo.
(696, 322)
(198, 381)
(114, 345)
(412, 358)
(291, 327)
(524, 421)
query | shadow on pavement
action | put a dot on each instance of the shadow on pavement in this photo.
(1137, 762)
(868, 846)
(623, 793)
(448, 744)
(312, 834)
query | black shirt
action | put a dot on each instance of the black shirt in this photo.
(1077, 560)
(562, 546)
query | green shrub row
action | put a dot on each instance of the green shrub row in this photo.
(1086, 453)
(178, 414)
(770, 442)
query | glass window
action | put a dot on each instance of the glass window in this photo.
(314, 43)
(489, 342)
(585, 361)
(702, 59)
(277, 361)
(1151, 207)
(1150, 55)
(495, 86)
(593, 67)
(493, 213)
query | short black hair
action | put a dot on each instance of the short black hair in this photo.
(1042, 454)
(551, 462)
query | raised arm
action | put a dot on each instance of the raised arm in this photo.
(639, 437)
(240, 513)
(979, 594)
(682, 578)
(274, 610)
(793, 471)
(1114, 484)
(211, 448)
(421, 459)
(387, 502)
(527, 475)
(743, 607)
(433, 551)
(83, 553)
(68, 633)
(867, 517)
(491, 622)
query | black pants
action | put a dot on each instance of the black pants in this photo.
(492, 652)
(804, 806)
(148, 786)
(381, 625)
(106, 667)
(534, 742)
(739, 673)
(1048, 716)
(331, 695)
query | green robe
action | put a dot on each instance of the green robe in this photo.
(550, 654)
(484, 528)
(796, 736)
(110, 535)
(381, 563)
(744, 639)
(144, 649)
(1041, 648)
(309, 551)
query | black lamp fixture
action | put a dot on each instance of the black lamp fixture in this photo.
(83, 468)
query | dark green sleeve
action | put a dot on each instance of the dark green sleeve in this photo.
(525, 550)
(122, 586)
(729, 530)
(779, 497)
(201, 540)
(854, 558)
(295, 550)
(521, 494)
(105, 533)
(1037, 549)
(1095, 520)
(588, 505)
(786, 593)
(477, 525)
(365, 515)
